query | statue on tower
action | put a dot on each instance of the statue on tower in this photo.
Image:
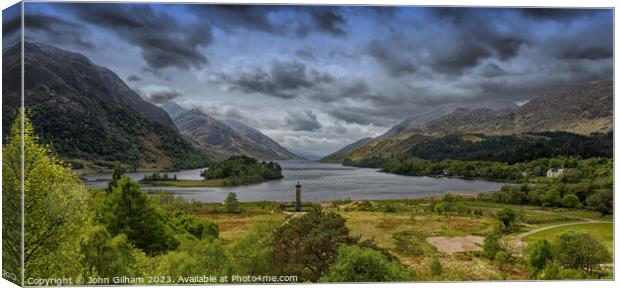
(298, 197)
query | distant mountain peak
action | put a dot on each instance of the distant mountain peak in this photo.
(221, 139)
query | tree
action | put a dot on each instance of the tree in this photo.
(231, 203)
(538, 256)
(253, 253)
(54, 200)
(307, 245)
(580, 251)
(571, 201)
(502, 259)
(356, 264)
(491, 246)
(436, 269)
(507, 217)
(130, 211)
(107, 256)
(602, 201)
(117, 174)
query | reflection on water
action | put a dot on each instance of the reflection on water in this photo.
(320, 181)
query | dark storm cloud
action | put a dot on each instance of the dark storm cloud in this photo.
(589, 53)
(163, 40)
(302, 121)
(228, 17)
(56, 31)
(283, 80)
(329, 21)
(396, 64)
(556, 14)
(133, 78)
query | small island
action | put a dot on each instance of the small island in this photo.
(234, 171)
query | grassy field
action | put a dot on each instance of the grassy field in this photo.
(603, 232)
(402, 226)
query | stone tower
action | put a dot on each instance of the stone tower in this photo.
(298, 197)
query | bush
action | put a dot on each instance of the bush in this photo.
(436, 269)
(407, 244)
(538, 255)
(580, 251)
(491, 246)
(356, 264)
(307, 245)
(231, 203)
(130, 211)
(602, 201)
(571, 201)
(507, 217)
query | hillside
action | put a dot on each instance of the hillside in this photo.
(580, 109)
(89, 115)
(261, 139)
(220, 141)
(340, 155)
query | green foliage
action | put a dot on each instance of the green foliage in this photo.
(55, 203)
(551, 271)
(130, 211)
(253, 253)
(503, 260)
(203, 257)
(491, 246)
(243, 170)
(307, 245)
(117, 174)
(231, 203)
(156, 176)
(602, 201)
(506, 217)
(107, 256)
(356, 264)
(571, 201)
(436, 268)
(580, 251)
(406, 243)
(516, 148)
(196, 226)
(537, 256)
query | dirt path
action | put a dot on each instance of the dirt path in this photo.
(516, 245)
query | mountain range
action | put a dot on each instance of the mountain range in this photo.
(91, 118)
(222, 139)
(580, 109)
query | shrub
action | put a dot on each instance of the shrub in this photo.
(436, 269)
(130, 211)
(571, 201)
(231, 203)
(356, 264)
(307, 245)
(538, 255)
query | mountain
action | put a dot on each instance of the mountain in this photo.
(219, 140)
(91, 118)
(304, 154)
(260, 139)
(340, 155)
(581, 109)
(417, 120)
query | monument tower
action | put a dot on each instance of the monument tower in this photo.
(298, 197)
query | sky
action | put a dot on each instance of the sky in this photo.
(316, 78)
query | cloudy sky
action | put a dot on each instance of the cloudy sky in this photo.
(317, 78)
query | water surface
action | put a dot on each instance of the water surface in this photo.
(320, 181)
